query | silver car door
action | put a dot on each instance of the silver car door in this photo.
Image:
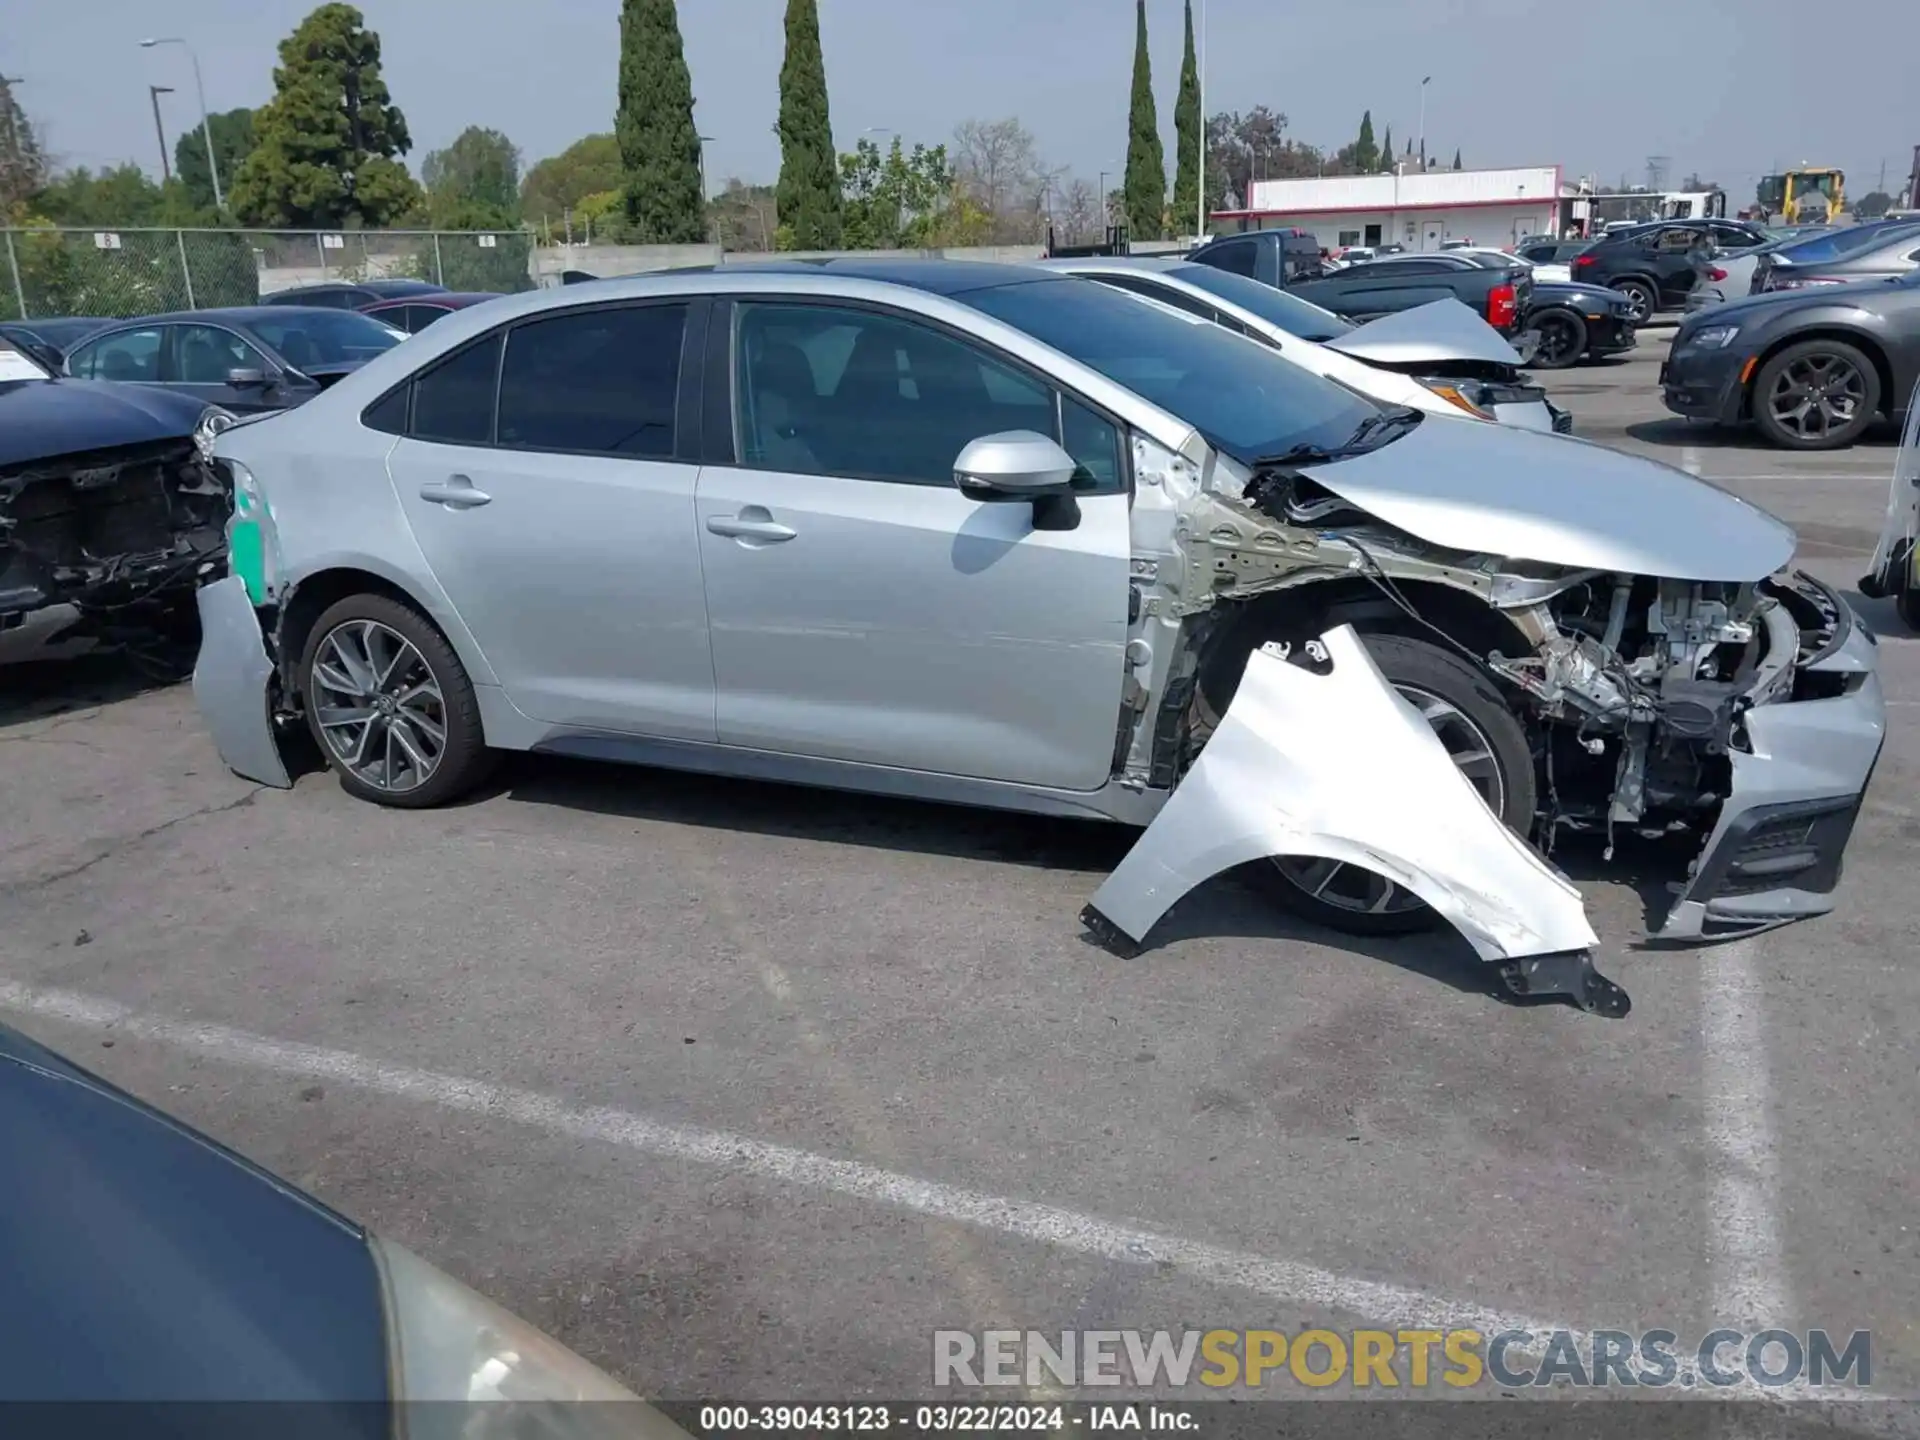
(562, 529)
(863, 609)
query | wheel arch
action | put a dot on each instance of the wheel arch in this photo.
(1868, 345)
(1305, 611)
(306, 600)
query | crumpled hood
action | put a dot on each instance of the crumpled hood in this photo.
(1427, 334)
(1500, 490)
(44, 419)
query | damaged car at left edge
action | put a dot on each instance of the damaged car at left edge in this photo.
(993, 536)
(110, 514)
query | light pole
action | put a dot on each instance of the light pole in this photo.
(206, 125)
(1423, 123)
(1200, 219)
(705, 140)
(154, 92)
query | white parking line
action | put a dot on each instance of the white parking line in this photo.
(1750, 1286)
(1286, 1281)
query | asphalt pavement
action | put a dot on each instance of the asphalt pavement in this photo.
(744, 1091)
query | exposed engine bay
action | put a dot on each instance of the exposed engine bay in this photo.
(123, 536)
(1633, 690)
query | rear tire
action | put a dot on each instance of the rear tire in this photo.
(1471, 718)
(390, 705)
(1644, 296)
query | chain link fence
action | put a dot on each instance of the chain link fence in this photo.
(47, 271)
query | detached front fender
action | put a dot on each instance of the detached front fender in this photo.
(1338, 766)
(232, 684)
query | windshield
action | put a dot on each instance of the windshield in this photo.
(325, 337)
(1276, 307)
(1243, 397)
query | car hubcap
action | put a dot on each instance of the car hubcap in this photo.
(1349, 887)
(378, 706)
(1817, 395)
(1639, 303)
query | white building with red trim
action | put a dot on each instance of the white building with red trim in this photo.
(1419, 211)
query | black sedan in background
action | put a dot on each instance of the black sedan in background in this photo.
(413, 313)
(149, 1266)
(252, 358)
(351, 294)
(1809, 369)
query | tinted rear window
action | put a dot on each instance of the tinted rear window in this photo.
(603, 381)
(453, 402)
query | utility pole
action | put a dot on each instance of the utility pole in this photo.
(1423, 120)
(206, 125)
(154, 92)
(1200, 220)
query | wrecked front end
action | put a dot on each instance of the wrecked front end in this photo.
(117, 536)
(1739, 719)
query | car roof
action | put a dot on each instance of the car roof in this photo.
(937, 277)
(1136, 263)
(228, 314)
(426, 297)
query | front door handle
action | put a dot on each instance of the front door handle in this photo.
(456, 492)
(752, 523)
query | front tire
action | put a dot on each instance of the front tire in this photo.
(1817, 395)
(1563, 340)
(1486, 741)
(390, 705)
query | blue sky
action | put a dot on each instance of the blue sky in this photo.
(1729, 90)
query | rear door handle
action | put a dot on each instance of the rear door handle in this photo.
(753, 523)
(456, 492)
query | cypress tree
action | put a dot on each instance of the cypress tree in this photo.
(1146, 183)
(1386, 149)
(659, 146)
(1366, 154)
(1186, 129)
(808, 195)
(1456, 159)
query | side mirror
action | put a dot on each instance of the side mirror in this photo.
(247, 379)
(1021, 465)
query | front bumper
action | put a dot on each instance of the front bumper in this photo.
(1776, 853)
(233, 684)
(1611, 335)
(1705, 384)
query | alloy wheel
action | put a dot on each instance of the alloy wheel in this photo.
(1557, 340)
(1816, 395)
(1639, 303)
(1349, 887)
(378, 706)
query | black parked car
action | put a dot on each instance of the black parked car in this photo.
(149, 1266)
(351, 294)
(1810, 370)
(109, 515)
(258, 357)
(1577, 322)
(1498, 293)
(1655, 266)
(48, 340)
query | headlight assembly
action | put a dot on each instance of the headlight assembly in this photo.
(209, 427)
(1456, 394)
(447, 1343)
(1713, 337)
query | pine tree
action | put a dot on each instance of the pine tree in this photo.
(1187, 135)
(1386, 149)
(327, 146)
(808, 195)
(1366, 154)
(659, 146)
(1146, 182)
(1456, 159)
(23, 169)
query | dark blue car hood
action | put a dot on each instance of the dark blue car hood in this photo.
(146, 1263)
(45, 419)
